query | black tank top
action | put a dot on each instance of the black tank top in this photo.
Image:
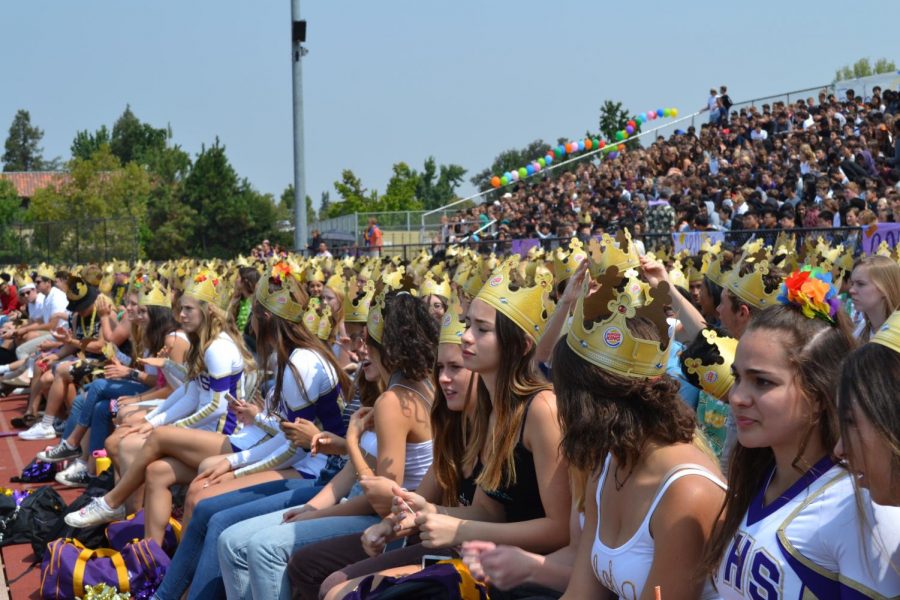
(467, 485)
(522, 500)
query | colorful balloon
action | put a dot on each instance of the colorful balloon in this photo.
(674, 112)
(515, 175)
(660, 112)
(537, 166)
(620, 135)
(613, 154)
(629, 129)
(624, 135)
(549, 159)
(504, 180)
(621, 147)
(542, 161)
(560, 151)
(529, 170)
(632, 123)
(602, 144)
(588, 144)
(523, 173)
(652, 115)
(495, 181)
(581, 145)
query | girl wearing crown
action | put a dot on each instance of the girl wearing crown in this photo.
(523, 495)
(875, 291)
(459, 423)
(215, 362)
(870, 415)
(149, 319)
(652, 486)
(402, 340)
(791, 528)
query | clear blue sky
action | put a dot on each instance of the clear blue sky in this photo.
(402, 80)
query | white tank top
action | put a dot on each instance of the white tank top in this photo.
(624, 569)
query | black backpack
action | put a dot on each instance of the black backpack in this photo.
(37, 521)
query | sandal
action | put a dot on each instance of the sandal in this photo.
(24, 422)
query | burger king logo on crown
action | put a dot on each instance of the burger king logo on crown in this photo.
(446, 320)
(495, 281)
(711, 377)
(612, 337)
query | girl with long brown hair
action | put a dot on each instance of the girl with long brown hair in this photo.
(791, 527)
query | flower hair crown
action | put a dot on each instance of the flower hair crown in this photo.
(811, 290)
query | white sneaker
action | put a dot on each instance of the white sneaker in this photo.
(39, 431)
(94, 514)
(75, 475)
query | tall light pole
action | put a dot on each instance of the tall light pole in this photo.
(298, 36)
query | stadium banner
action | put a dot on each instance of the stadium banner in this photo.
(521, 247)
(880, 232)
(692, 240)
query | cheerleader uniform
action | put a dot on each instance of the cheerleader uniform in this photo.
(201, 403)
(811, 544)
(318, 399)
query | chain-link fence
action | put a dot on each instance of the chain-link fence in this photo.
(63, 242)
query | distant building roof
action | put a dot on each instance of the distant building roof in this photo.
(28, 182)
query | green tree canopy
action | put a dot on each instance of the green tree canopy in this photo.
(613, 118)
(133, 140)
(437, 185)
(22, 151)
(231, 215)
(864, 68)
(86, 143)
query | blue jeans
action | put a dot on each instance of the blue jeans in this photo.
(254, 554)
(94, 411)
(71, 422)
(196, 562)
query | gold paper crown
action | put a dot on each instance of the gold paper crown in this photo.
(326, 324)
(719, 268)
(453, 324)
(889, 333)
(751, 287)
(23, 279)
(528, 306)
(315, 273)
(78, 288)
(715, 379)
(284, 302)
(311, 316)
(155, 295)
(46, 272)
(638, 290)
(565, 262)
(619, 252)
(390, 282)
(335, 282)
(357, 300)
(600, 333)
(438, 288)
(677, 276)
(206, 286)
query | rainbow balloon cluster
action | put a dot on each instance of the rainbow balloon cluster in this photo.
(573, 147)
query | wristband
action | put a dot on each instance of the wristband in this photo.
(135, 375)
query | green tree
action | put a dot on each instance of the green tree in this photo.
(22, 151)
(437, 186)
(324, 204)
(509, 160)
(133, 140)
(286, 205)
(231, 215)
(354, 198)
(86, 143)
(10, 203)
(613, 118)
(401, 190)
(100, 188)
(863, 68)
